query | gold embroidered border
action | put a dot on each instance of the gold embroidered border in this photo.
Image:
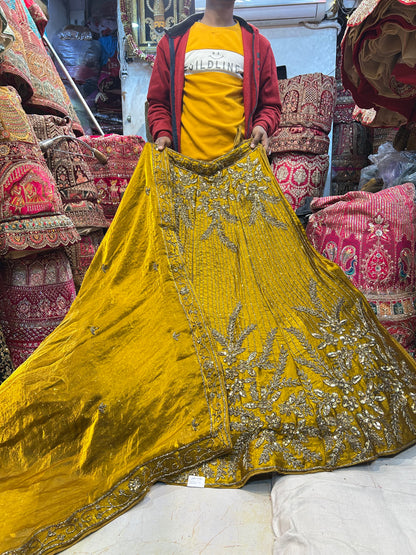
(133, 487)
(210, 366)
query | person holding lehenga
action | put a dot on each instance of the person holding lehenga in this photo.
(208, 336)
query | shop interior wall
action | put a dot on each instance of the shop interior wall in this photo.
(301, 48)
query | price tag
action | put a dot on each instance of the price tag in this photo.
(196, 481)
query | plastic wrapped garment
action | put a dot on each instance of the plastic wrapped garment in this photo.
(81, 53)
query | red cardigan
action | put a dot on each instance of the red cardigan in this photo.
(260, 85)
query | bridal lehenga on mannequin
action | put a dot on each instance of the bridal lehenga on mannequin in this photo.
(208, 338)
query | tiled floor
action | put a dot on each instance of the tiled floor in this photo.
(175, 520)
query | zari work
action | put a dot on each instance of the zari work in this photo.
(308, 100)
(379, 58)
(31, 211)
(299, 139)
(37, 15)
(350, 140)
(81, 254)
(209, 352)
(307, 111)
(111, 180)
(344, 104)
(372, 238)
(6, 34)
(28, 67)
(36, 292)
(300, 175)
(351, 146)
(69, 163)
(6, 364)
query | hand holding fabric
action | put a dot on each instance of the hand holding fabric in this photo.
(259, 135)
(162, 142)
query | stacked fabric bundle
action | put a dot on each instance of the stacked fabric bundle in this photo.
(32, 227)
(36, 293)
(372, 238)
(299, 148)
(111, 179)
(351, 143)
(31, 211)
(67, 160)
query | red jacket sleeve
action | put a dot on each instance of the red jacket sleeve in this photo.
(269, 107)
(159, 113)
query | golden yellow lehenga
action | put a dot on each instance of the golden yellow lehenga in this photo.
(208, 338)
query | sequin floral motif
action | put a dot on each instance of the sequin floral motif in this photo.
(212, 194)
(344, 395)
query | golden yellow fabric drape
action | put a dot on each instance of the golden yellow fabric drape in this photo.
(126, 390)
(314, 381)
(208, 338)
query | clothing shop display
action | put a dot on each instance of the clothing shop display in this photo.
(111, 179)
(196, 360)
(308, 102)
(31, 211)
(300, 175)
(299, 139)
(82, 253)
(299, 147)
(36, 292)
(378, 60)
(37, 15)
(68, 162)
(108, 99)
(351, 140)
(380, 136)
(351, 146)
(372, 238)
(27, 67)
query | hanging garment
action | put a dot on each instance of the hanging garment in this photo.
(308, 103)
(27, 66)
(209, 338)
(31, 211)
(69, 163)
(82, 253)
(378, 60)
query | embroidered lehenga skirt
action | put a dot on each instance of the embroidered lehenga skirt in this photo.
(208, 338)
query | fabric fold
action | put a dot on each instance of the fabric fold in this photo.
(125, 391)
(195, 345)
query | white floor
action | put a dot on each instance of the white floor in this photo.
(175, 520)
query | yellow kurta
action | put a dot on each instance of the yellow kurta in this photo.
(208, 337)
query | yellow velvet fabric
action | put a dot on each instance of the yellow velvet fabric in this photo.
(209, 338)
(126, 390)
